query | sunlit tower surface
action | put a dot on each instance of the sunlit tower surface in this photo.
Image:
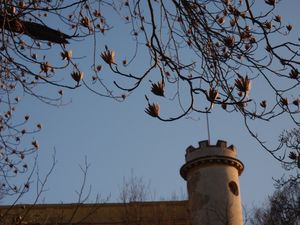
(212, 174)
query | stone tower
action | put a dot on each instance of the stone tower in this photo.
(212, 174)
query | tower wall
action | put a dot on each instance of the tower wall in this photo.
(212, 175)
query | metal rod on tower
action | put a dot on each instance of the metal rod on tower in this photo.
(208, 132)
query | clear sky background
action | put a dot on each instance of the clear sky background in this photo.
(118, 138)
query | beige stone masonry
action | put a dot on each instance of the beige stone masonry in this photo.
(212, 175)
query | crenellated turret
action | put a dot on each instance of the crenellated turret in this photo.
(212, 175)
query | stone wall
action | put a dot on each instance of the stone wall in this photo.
(137, 213)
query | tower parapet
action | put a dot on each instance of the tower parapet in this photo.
(207, 154)
(212, 174)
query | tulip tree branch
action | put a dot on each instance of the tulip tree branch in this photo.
(34, 30)
(197, 55)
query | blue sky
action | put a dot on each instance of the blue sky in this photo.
(118, 138)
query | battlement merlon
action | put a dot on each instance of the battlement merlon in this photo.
(206, 149)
